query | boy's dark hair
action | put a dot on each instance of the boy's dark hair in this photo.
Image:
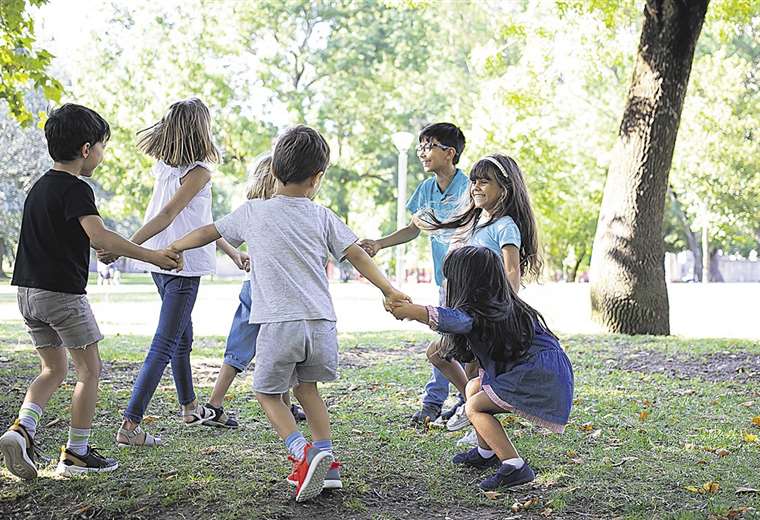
(447, 134)
(69, 127)
(301, 152)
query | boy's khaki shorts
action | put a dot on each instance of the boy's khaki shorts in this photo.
(55, 319)
(292, 352)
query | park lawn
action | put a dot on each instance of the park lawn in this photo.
(657, 422)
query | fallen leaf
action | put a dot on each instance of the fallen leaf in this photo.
(689, 446)
(571, 453)
(749, 438)
(748, 404)
(209, 451)
(4, 359)
(756, 421)
(624, 460)
(546, 513)
(643, 415)
(595, 434)
(711, 487)
(693, 489)
(722, 452)
(149, 419)
(748, 490)
(493, 495)
(587, 427)
(646, 403)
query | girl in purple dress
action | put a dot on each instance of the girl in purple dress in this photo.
(523, 369)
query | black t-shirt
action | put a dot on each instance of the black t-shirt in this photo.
(53, 249)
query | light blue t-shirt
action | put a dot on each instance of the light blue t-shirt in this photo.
(494, 236)
(428, 195)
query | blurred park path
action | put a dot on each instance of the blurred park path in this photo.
(696, 310)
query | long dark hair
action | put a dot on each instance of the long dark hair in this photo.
(504, 325)
(514, 202)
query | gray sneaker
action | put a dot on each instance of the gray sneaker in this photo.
(458, 420)
(332, 479)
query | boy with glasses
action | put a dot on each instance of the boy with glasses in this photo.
(440, 147)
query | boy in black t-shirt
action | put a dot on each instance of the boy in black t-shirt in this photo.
(60, 221)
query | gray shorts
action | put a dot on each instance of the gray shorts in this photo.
(293, 352)
(56, 319)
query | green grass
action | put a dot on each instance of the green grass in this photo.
(612, 461)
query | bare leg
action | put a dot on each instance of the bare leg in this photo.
(491, 435)
(53, 368)
(286, 399)
(451, 369)
(278, 414)
(315, 409)
(223, 382)
(85, 397)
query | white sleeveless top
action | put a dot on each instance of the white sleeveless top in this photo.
(196, 214)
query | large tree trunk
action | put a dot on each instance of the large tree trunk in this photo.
(628, 290)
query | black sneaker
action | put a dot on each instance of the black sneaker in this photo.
(473, 459)
(429, 413)
(18, 450)
(298, 413)
(71, 464)
(508, 476)
(220, 418)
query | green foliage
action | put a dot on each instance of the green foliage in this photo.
(22, 64)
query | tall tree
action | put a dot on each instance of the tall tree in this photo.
(628, 291)
(22, 65)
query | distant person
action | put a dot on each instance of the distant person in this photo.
(60, 221)
(439, 150)
(241, 340)
(182, 144)
(290, 239)
(523, 369)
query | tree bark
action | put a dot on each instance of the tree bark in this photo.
(628, 290)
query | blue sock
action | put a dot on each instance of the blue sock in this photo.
(296, 443)
(324, 445)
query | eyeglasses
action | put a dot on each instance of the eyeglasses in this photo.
(426, 147)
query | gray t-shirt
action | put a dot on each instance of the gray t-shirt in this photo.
(288, 240)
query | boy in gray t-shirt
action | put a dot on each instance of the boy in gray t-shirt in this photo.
(289, 239)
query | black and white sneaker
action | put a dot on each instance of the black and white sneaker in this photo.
(18, 450)
(220, 418)
(71, 464)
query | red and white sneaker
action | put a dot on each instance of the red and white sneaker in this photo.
(332, 477)
(309, 473)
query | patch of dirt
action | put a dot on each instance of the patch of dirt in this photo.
(740, 367)
(363, 356)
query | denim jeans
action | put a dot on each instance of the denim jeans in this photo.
(241, 341)
(172, 342)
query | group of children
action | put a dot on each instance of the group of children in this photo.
(495, 348)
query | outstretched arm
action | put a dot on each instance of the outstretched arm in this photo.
(103, 238)
(364, 264)
(401, 236)
(198, 238)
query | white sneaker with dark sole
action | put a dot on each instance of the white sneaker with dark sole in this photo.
(17, 448)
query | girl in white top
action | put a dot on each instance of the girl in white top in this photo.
(181, 202)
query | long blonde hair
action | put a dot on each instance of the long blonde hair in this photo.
(262, 182)
(182, 136)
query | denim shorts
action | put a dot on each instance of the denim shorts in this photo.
(294, 352)
(241, 341)
(56, 319)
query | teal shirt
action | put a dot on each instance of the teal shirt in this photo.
(494, 236)
(429, 196)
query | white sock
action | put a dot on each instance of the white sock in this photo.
(29, 416)
(78, 440)
(517, 462)
(486, 454)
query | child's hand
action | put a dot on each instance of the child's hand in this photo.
(167, 259)
(106, 256)
(242, 261)
(370, 246)
(403, 310)
(395, 297)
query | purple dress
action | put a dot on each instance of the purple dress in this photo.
(538, 386)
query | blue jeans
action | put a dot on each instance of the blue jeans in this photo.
(172, 342)
(241, 341)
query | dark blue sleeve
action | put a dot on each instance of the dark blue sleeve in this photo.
(450, 321)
